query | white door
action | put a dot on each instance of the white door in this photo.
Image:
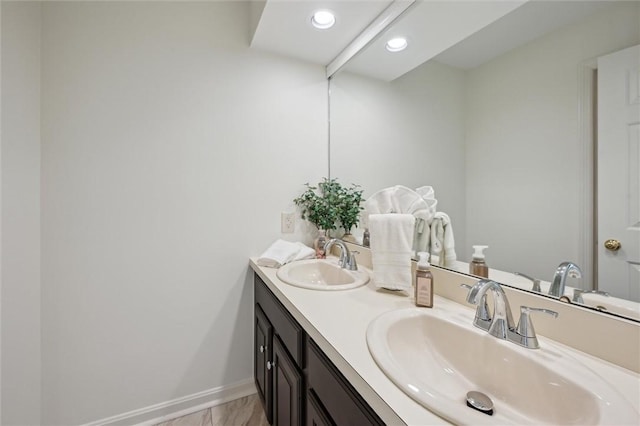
(619, 173)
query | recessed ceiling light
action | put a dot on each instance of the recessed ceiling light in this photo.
(396, 44)
(323, 19)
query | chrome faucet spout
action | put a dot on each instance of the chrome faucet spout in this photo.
(502, 319)
(560, 277)
(346, 260)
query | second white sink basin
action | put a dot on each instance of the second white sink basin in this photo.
(321, 274)
(437, 356)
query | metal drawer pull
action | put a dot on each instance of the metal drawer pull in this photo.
(271, 365)
(262, 348)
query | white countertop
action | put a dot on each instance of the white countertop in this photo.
(337, 321)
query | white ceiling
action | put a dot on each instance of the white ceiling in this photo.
(532, 20)
(284, 27)
(461, 33)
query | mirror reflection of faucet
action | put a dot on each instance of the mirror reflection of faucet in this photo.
(560, 277)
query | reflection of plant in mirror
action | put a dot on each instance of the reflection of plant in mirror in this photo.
(329, 202)
(349, 208)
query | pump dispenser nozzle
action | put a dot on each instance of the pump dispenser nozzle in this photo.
(478, 252)
(423, 260)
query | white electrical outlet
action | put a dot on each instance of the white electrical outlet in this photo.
(287, 223)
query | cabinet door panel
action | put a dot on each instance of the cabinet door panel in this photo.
(316, 415)
(263, 337)
(287, 388)
(290, 332)
(341, 402)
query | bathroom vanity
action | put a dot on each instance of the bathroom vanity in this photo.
(313, 365)
(295, 380)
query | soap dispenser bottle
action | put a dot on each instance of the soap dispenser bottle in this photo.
(478, 266)
(424, 282)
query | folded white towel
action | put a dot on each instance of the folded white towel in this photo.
(391, 242)
(305, 252)
(282, 252)
(428, 194)
(398, 199)
(442, 241)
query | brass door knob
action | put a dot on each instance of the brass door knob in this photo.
(613, 245)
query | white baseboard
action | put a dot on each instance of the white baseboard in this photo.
(178, 407)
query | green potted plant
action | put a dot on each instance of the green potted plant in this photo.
(319, 204)
(329, 203)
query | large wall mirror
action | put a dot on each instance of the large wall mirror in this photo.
(503, 125)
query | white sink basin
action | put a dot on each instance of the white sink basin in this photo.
(437, 356)
(321, 274)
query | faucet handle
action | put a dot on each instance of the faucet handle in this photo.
(483, 318)
(526, 334)
(578, 292)
(352, 264)
(535, 281)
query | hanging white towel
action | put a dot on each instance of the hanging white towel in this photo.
(282, 252)
(391, 243)
(442, 241)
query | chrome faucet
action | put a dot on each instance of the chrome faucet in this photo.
(560, 277)
(502, 320)
(347, 260)
(501, 324)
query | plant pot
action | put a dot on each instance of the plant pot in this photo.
(348, 237)
(319, 243)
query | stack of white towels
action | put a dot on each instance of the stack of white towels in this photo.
(402, 221)
(282, 252)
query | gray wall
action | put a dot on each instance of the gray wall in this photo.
(20, 241)
(168, 150)
(524, 174)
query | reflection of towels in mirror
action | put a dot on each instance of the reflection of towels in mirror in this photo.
(398, 199)
(421, 236)
(442, 241)
(422, 233)
(391, 243)
(428, 194)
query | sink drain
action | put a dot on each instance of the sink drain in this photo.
(479, 401)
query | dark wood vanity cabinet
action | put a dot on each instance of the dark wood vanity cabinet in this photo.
(297, 383)
(287, 388)
(278, 359)
(337, 401)
(263, 342)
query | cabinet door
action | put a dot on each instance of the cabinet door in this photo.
(340, 401)
(287, 388)
(263, 338)
(316, 415)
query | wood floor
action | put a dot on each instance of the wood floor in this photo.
(245, 411)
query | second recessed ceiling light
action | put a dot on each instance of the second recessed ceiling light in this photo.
(396, 44)
(323, 19)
